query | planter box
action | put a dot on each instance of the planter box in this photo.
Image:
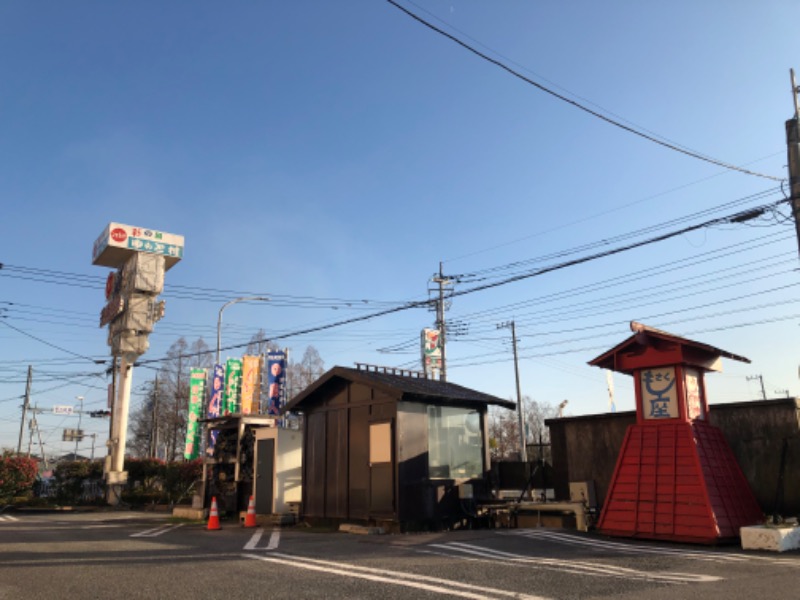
(775, 539)
(186, 512)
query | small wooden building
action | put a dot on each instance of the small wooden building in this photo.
(393, 448)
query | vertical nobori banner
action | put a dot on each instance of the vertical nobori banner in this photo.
(197, 391)
(215, 404)
(233, 384)
(431, 350)
(251, 384)
(276, 381)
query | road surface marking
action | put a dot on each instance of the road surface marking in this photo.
(577, 567)
(413, 580)
(8, 518)
(274, 540)
(156, 531)
(705, 555)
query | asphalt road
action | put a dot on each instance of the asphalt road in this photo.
(139, 555)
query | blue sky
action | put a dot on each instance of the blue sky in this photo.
(341, 150)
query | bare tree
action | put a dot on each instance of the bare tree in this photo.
(259, 345)
(162, 417)
(504, 430)
(143, 423)
(306, 372)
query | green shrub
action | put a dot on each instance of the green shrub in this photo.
(145, 472)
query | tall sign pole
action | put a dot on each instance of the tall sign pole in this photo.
(141, 257)
(793, 149)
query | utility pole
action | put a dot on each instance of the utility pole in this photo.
(440, 320)
(41, 446)
(33, 425)
(154, 425)
(761, 380)
(25, 408)
(793, 149)
(79, 437)
(523, 451)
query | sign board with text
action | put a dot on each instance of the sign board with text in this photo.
(119, 242)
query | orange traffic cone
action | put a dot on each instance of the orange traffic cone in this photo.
(213, 516)
(250, 517)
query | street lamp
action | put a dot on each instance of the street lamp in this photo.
(80, 416)
(226, 305)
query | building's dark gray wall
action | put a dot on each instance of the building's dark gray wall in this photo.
(586, 448)
(756, 432)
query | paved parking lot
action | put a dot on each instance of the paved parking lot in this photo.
(138, 555)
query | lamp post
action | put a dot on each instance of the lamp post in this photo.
(226, 305)
(80, 416)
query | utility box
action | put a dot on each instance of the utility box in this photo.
(279, 463)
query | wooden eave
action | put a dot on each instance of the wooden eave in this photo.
(401, 388)
(649, 347)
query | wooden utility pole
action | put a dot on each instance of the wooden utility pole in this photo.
(761, 380)
(25, 408)
(793, 150)
(523, 450)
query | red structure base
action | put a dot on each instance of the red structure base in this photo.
(678, 482)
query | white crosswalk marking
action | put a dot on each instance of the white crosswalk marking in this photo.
(274, 540)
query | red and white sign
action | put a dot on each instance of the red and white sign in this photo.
(119, 235)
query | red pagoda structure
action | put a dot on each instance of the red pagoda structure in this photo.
(676, 477)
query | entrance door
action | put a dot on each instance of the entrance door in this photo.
(265, 473)
(381, 469)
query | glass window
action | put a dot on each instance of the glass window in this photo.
(455, 445)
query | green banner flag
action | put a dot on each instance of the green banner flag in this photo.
(233, 384)
(197, 391)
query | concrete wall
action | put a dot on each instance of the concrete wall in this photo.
(586, 448)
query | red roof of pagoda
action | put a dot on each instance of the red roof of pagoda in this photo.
(650, 347)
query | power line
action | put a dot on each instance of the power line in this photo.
(481, 273)
(594, 113)
(739, 217)
(735, 218)
(46, 343)
(490, 315)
